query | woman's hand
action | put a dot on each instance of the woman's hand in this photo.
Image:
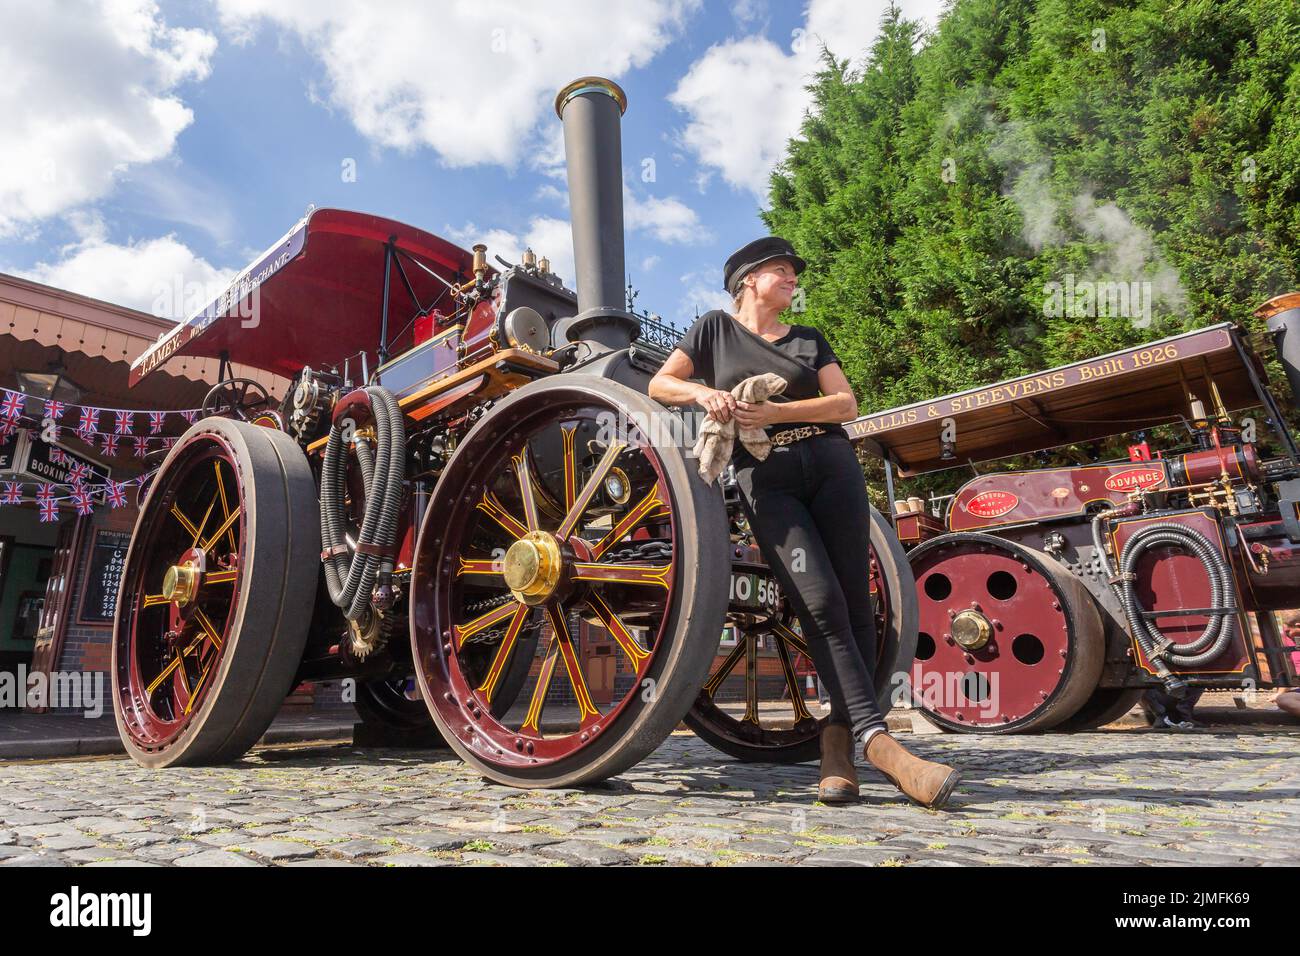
(720, 404)
(755, 414)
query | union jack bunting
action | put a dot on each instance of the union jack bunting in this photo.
(169, 442)
(54, 410)
(89, 420)
(116, 492)
(79, 472)
(44, 492)
(7, 428)
(156, 422)
(141, 446)
(13, 493)
(191, 414)
(58, 456)
(12, 406)
(81, 500)
(49, 509)
(110, 444)
(125, 423)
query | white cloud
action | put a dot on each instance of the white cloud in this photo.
(545, 235)
(703, 291)
(745, 98)
(472, 81)
(649, 262)
(161, 276)
(668, 219)
(89, 89)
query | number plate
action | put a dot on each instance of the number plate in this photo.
(754, 591)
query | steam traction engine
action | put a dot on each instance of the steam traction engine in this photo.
(1050, 598)
(461, 503)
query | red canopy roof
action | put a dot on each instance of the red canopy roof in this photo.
(315, 297)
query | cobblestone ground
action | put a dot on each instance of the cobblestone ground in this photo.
(1090, 799)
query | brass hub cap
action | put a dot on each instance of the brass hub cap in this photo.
(181, 583)
(532, 567)
(971, 630)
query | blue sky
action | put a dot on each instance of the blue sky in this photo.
(154, 143)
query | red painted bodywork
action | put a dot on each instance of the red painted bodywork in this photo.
(1046, 494)
(1170, 579)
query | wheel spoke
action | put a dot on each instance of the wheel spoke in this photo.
(186, 523)
(198, 532)
(225, 525)
(480, 566)
(641, 574)
(636, 654)
(220, 577)
(533, 720)
(630, 520)
(715, 679)
(165, 673)
(524, 474)
(569, 432)
(490, 505)
(151, 599)
(225, 504)
(587, 712)
(790, 637)
(792, 681)
(489, 686)
(462, 631)
(589, 489)
(751, 679)
(206, 624)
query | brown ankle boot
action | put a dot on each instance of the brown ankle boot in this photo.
(839, 783)
(926, 782)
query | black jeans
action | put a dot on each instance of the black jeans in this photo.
(807, 505)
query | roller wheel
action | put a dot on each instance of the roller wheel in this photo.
(1010, 640)
(1106, 705)
(779, 721)
(216, 595)
(384, 703)
(558, 509)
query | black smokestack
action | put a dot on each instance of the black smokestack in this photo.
(591, 109)
(1285, 329)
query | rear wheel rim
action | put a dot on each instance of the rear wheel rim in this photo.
(182, 592)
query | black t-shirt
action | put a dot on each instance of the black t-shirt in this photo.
(724, 353)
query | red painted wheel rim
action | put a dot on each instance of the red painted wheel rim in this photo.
(455, 672)
(169, 653)
(1021, 669)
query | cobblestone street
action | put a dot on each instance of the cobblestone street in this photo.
(1124, 798)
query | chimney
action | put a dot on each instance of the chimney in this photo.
(591, 109)
(1282, 320)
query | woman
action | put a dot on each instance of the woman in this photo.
(806, 502)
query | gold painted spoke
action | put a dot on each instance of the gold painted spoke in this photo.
(151, 599)
(524, 474)
(225, 504)
(491, 505)
(792, 682)
(206, 624)
(587, 711)
(463, 631)
(220, 577)
(636, 654)
(225, 526)
(629, 521)
(643, 574)
(533, 720)
(198, 687)
(715, 679)
(198, 532)
(751, 681)
(186, 523)
(589, 489)
(569, 435)
(489, 686)
(480, 566)
(163, 675)
(790, 637)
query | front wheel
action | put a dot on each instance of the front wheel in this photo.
(566, 518)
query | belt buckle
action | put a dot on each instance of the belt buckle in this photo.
(791, 435)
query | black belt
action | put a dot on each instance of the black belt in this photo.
(788, 435)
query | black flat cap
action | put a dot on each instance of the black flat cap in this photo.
(752, 255)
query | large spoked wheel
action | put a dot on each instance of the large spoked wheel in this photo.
(556, 515)
(216, 595)
(764, 719)
(1010, 640)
